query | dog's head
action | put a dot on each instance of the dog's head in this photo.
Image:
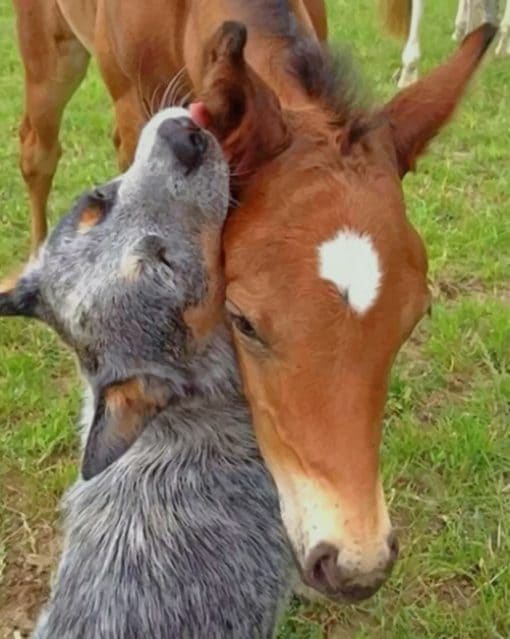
(130, 279)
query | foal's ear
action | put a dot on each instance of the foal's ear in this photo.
(122, 412)
(236, 104)
(417, 113)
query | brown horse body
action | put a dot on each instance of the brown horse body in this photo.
(134, 43)
(325, 276)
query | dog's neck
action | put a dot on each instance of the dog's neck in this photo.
(212, 407)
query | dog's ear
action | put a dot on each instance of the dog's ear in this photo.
(236, 104)
(122, 411)
(19, 297)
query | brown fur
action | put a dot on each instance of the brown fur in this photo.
(396, 17)
(89, 218)
(202, 319)
(317, 375)
(442, 89)
(129, 405)
(139, 48)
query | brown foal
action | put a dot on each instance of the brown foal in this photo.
(326, 277)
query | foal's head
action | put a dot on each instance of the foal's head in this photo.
(131, 280)
(326, 278)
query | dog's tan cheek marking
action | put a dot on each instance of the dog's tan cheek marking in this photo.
(207, 314)
(130, 405)
(8, 284)
(89, 218)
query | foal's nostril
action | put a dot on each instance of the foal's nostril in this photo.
(321, 570)
(343, 580)
(187, 141)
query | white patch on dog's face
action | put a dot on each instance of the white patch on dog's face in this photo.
(351, 263)
(159, 173)
(148, 135)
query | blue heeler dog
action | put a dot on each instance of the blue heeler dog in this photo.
(174, 530)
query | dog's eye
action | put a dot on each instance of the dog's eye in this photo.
(162, 256)
(100, 196)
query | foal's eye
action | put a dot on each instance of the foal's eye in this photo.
(244, 326)
(240, 322)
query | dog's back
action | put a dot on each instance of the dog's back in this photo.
(180, 538)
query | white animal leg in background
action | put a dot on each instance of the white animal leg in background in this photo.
(411, 52)
(503, 46)
(491, 11)
(461, 21)
(480, 11)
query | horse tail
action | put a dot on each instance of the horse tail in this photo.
(396, 16)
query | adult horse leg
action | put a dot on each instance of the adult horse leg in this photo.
(411, 53)
(129, 121)
(480, 11)
(461, 18)
(317, 11)
(491, 11)
(503, 46)
(55, 63)
(128, 83)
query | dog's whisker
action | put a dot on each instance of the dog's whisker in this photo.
(164, 99)
(241, 173)
(154, 99)
(167, 99)
(145, 107)
(173, 82)
(178, 88)
(186, 98)
(139, 91)
(232, 201)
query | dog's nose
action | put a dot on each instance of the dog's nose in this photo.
(187, 141)
(339, 579)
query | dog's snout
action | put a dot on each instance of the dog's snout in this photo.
(338, 575)
(187, 141)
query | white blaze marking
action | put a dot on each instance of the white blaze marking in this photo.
(350, 261)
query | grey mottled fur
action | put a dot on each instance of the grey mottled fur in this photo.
(181, 536)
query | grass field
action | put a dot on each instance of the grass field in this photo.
(447, 445)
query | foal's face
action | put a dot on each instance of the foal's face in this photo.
(326, 278)
(129, 279)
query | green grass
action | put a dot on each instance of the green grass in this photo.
(446, 452)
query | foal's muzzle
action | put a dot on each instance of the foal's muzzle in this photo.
(340, 580)
(187, 141)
